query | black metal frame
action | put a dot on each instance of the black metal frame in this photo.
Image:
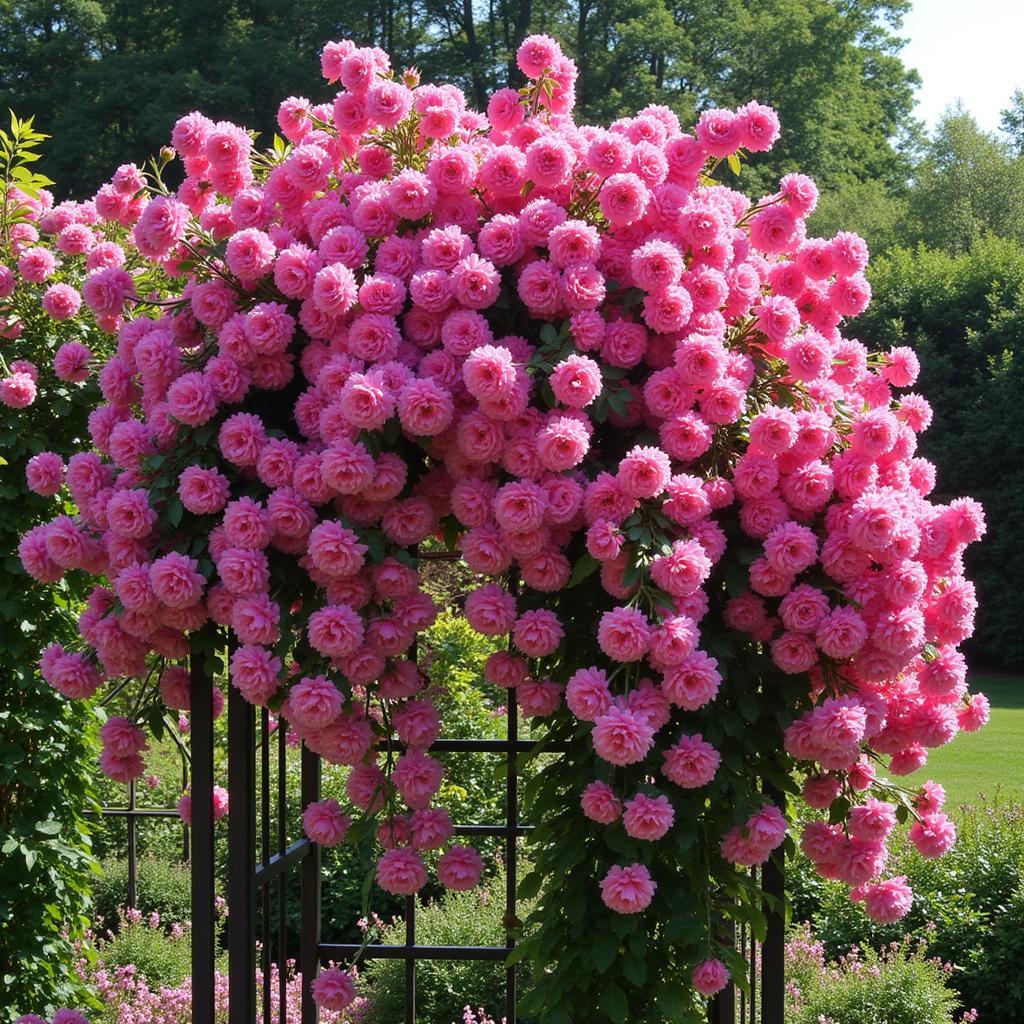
(766, 961)
(250, 880)
(133, 814)
(251, 877)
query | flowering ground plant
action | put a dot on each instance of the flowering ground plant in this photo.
(623, 392)
(141, 976)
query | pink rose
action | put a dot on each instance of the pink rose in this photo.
(629, 889)
(401, 872)
(691, 762)
(648, 817)
(710, 977)
(624, 634)
(888, 901)
(622, 737)
(600, 804)
(333, 989)
(460, 868)
(324, 823)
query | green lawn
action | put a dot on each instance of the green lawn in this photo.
(990, 761)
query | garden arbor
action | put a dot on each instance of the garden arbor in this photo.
(261, 854)
(619, 389)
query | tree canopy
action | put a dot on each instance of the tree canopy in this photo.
(109, 77)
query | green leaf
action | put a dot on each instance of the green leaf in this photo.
(613, 999)
(530, 885)
(749, 705)
(838, 811)
(673, 998)
(734, 164)
(635, 969)
(604, 950)
(585, 566)
(451, 533)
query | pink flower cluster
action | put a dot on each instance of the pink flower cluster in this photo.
(68, 261)
(569, 350)
(135, 999)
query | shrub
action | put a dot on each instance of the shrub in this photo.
(696, 344)
(162, 887)
(899, 985)
(141, 976)
(445, 987)
(163, 957)
(48, 745)
(968, 906)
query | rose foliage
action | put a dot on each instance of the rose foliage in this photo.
(48, 743)
(623, 391)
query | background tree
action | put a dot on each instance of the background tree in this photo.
(109, 77)
(969, 183)
(1012, 121)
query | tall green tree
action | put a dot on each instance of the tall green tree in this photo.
(1012, 121)
(969, 184)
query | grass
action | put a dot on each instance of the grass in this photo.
(991, 760)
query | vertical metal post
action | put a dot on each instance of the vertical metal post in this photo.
(309, 942)
(184, 827)
(282, 905)
(241, 833)
(265, 858)
(773, 953)
(203, 932)
(511, 851)
(723, 1007)
(133, 894)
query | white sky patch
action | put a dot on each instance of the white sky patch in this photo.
(972, 51)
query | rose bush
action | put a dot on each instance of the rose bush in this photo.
(49, 744)
(574, 355)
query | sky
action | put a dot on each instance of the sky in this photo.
(968, 50)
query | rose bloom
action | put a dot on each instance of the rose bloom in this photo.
(889, 900)
(710, 977)
(647, 817)
(691, 762)
(401, 872)
(538, 633)
(44, 473)
(629, 889)
(933, 836)
(61, 301)
(587, 694)
(622, 737)
(460, 868)
(324, 822)
(624, 634)
(491, 610)
(600, 804)
(333, 989)
(71, 362)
